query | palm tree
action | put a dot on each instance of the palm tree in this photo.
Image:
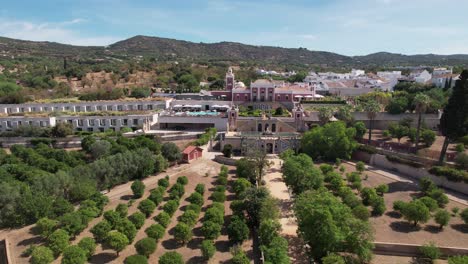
(420, 102)
(371, 107)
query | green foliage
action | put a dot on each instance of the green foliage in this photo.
(136, 259)
(300, 174)
(227, 150)
(163, 219)
(156, 196)
(58, 241)
(399, 206)
(439, 196)
(464, 216)
(361, 212)
(117, 241)
(462, 162)
(458, 260)
(430, 251)
(218, 197)
(333, 259)
(239, 257)
(397, 105)
(164, 182)
(138, 188)
(62, 129)
(200, 188)
(88, 245)
(189, 217)
(368, 195)
(237, 230)
(42, 255)
(326, 168)
(146, 246)
(442, 217)
(208, 249)
(246, 169)
(210, 229)
(177, 191)
(127, 228)
(240, 186)
(170, 207)
(171, 152)
(360, 166)
(182, 233)
(428, 137)
(415, 211)
(138, 219)
(193, 207)
(430, 203)
(381, 189)
(268, 229)
(147, 207)
(326, 224)
(122, 210)
(101, 230)
(196, 198)
(330, 141)
(155, 231)
(378, 206)
(74, 255)
(140, 92)
(277, 251)
(360, 129)
(171, 257)
(46, 226)
(450, 173)
(112, 217)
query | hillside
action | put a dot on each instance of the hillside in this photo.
(170, 49)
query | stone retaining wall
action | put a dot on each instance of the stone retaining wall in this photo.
(226, 161)
(412, 250)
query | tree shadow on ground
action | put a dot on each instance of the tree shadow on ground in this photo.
(460, 227)
(222, 245)
(404, 227)
(197, 231)
(105, 257)
(170, 244)
(126, 197)
(432, 229)
(30, 241)
(393, 214)
(297, 252)
(402, 187)
(196, 260)
(195, 243)
(419, 260)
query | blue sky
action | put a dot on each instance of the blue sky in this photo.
(350, 27)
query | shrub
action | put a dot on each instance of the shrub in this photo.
(117, 241)
(460, 147)
(378, 206)
(164, 182)
(138, 219)
(240, 186)
(122, 210)
(155, 231)
(215, 215)
(127, 228)
(189, 217)
(100, 230)
(218, 197)
(45, 226)
(394, 158)
(222, 180)
(462, 162)
(136, 259)
(458, 260)
(326, 168)
(208, 249)
(239, 257)
(42, 255)
(430, 203)
(361, 212)
(182, 180)
(147, 207)
(182, 233)
(88, 245)
(455, 211)
(170, 207)
(193, 207)
(237, 230)
(138, 188)
(368, 195)
(415, 211)
(171, 257)
(277, 251)
(196, 198)
(464, 215)
(442, 217)
(381, 189)
(428, 137)
(156, 197)
(237, 207)
(163, 219)
(450, 173)
(360, 166)
(58, 241)
(333, 259)
(439, 196)
(367, 148)
(200, 188)
(177, 191)
(430, 251)
(146, 246)
(426, 185)
(398, 206)
(227, 150)
(74, 255)
(211, 230)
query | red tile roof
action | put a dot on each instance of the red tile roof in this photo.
(189, 149)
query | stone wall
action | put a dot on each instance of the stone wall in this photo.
(397, 249)
(226, 161)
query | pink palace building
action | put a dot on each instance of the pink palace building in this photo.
(264, 90)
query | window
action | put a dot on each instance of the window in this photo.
(287, 97)
(113, 122)
(46, 109)
(109, 108)
(88, 108)
(125, 122)
(150, 107)
(135, 122)
(130, 107)
(273, 127)
(102, 122)
(119, 107)
(90, 129)
(70, 121)
(99, 108)
(80, 122)
(33, 109)
(140, 107)
(77, 108)
(259, 128)
(91, 122)
(43, 124)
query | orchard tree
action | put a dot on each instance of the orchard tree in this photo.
(277, 251)
(416, 211)
(237, 230)
(442, 217)
(138, 188)
(208, 249)
(136, 259)
(155, 231)
(454, 120)
(147, 207)
(42, 255)
(74, 255)
(171, 257)
(138, 219)
(117, 241)
(58, 241)
(101, 230)
(464, 215)
(88, 245)
(45, 227)
(146, 246)
(182, 233)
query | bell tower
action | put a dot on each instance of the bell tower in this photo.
(233, 113)
(298, 113)
(229, 80)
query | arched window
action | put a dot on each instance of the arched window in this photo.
(259, 128)
(266, 127)
(273, 127)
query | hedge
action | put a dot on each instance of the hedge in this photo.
(450, 173)
(415, 164)
(367, 148)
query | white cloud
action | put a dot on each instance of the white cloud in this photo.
(54, 32)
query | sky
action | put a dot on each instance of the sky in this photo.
(349, 27)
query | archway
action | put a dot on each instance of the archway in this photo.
(259, 128)
(269, 148)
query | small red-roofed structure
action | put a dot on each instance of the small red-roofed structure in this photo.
(191, 153)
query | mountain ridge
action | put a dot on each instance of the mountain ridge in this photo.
(171, 49)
